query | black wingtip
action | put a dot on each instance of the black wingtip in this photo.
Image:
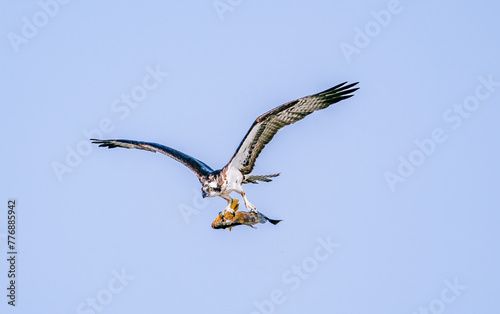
(341, 89)
(103, 143)
(351, 85)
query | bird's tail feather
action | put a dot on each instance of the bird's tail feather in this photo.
(251, 178)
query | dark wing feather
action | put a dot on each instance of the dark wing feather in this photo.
(267, 125)
(198, 167)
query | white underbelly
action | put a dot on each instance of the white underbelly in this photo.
(234, 179)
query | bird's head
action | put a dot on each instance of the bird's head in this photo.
(210, 188)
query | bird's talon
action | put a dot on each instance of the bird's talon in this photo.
(252, 208)
(221, 215)
(227, 210)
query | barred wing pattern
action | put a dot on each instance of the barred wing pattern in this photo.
(267, 125)
(197, 166)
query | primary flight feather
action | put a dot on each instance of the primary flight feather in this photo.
(238, 171)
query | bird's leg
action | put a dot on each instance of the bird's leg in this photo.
(248, 205)
(228, 207)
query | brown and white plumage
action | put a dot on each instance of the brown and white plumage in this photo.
(238, 171)
(267, 125)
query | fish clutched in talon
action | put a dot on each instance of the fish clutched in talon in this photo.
(241, 218)
(230, 219)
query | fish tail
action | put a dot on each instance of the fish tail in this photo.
(273, 221)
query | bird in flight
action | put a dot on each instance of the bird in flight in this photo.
(238, 171)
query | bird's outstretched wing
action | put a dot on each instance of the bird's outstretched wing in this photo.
(267, 125)
(198, 167)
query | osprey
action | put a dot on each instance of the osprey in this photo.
(238, 171)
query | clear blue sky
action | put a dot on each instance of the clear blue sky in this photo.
(389, 200)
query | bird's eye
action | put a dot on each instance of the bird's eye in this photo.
(210, 189)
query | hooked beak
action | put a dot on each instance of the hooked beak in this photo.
(203, 194)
